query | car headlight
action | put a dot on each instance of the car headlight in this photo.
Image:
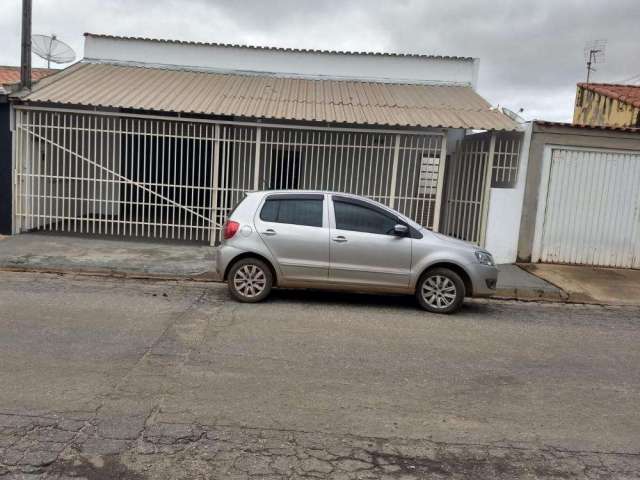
(484, 258)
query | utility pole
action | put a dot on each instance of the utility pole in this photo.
(25, 57)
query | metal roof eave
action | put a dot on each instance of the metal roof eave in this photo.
(265, 97)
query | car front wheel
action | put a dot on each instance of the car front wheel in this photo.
(440, 290)
(250, 280)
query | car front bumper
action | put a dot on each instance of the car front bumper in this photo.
(484, 279)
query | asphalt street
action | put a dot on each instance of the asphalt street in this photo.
(106, 378)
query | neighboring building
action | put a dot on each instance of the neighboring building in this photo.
(160, 139)
(581, 201)
(611, 105)
(582, 196)
(9, 79)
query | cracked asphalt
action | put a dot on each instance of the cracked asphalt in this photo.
(105, 378)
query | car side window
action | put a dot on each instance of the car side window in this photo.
(293, 211)
(358, 218)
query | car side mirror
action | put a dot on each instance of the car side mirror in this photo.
(400, 230)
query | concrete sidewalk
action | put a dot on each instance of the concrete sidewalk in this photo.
(517, 283)
(58, 253)
(55, 253)
(595, 285)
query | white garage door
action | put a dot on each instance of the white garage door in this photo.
(592, 213)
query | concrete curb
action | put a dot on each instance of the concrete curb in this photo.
(204, 277)
(518, 294)
(532, 295)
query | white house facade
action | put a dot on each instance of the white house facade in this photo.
(160, 139)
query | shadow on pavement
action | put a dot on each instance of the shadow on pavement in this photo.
(403, 302)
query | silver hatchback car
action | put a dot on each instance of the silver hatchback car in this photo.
(311, 239)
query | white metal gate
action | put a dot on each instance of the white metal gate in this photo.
(480, 162)
(107, 175)
(591, 210)
(164, 177)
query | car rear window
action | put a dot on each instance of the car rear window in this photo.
(235, 207)
(307, 212)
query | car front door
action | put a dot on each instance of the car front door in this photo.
(363, 248)
(295, 228)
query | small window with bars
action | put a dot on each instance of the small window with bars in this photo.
(505, 162)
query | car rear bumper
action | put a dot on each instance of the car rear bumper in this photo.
(483, 280)
(224, 255)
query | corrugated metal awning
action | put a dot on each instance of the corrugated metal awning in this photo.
(269, 97)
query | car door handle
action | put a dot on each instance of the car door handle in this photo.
(269, 231)
(339, 239)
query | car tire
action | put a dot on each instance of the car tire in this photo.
(440, 290)
(250, 280)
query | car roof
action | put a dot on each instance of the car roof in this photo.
(316, 192)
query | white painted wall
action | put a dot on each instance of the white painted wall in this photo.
(381, 68)
(505, 211)
(503, 223)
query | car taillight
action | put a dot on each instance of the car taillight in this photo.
(230, 229)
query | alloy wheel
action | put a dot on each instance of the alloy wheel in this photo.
(250, 281)
(439, 292)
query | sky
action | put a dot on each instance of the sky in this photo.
(531, 52)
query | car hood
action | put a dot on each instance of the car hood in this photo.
(455, 241)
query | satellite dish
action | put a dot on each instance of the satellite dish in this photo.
(52, 49)
(513, 115)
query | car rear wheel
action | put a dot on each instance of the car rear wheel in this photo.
(440, 290)
(250, 280)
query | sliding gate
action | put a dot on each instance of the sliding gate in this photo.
(173, 178)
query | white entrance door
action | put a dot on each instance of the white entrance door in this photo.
(592, 213)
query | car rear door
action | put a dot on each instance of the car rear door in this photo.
(363, 249)
(295, 228)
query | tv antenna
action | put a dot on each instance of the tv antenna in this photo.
(594, 55)
(52, 49)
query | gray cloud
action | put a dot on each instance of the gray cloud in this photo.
(531, 52)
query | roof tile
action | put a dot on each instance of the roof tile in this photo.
(9, 75)
(626, 93)
(255, 96)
